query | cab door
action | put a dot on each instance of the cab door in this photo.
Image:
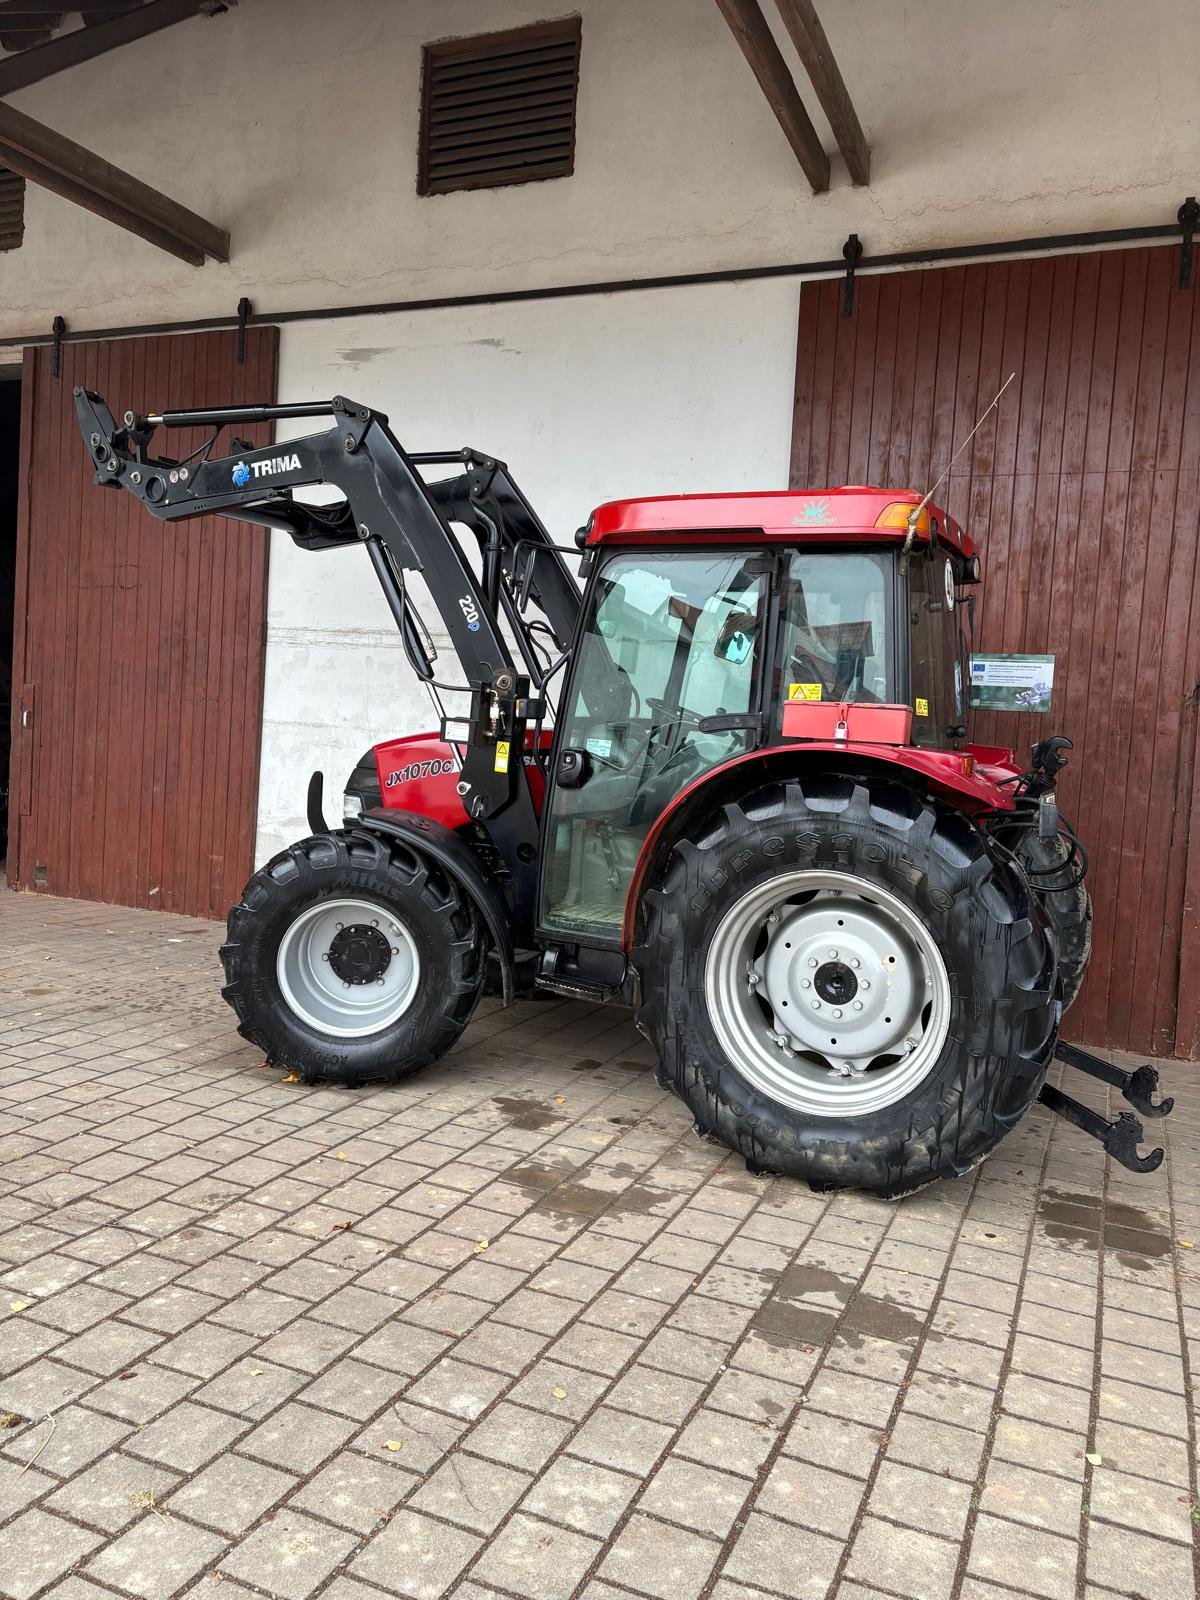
(665, 685)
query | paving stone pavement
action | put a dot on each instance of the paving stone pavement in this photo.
(510, 1329)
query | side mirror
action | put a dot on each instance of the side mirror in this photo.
(574, 769)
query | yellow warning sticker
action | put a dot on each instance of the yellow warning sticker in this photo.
(922, 707)
(804, 691)
(502, 755)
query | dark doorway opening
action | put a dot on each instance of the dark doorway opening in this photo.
(10, 468)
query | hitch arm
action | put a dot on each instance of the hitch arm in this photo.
(1120, 1138)
(1139, 1087)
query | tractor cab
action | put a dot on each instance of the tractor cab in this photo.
(718, 626)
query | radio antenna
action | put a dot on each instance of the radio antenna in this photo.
(914, 516)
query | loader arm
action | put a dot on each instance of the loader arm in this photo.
(404, 524)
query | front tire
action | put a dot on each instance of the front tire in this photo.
(943, 922)
(352, 959)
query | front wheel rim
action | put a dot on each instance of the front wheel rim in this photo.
(347, 968)
(827, 993)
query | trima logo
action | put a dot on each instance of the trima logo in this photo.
(264, 469)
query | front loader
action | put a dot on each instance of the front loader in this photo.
(757, 817)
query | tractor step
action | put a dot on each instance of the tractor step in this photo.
(1139, 1087)
(582, 974)
(1120, 1138)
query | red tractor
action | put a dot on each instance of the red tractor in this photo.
(849, 932)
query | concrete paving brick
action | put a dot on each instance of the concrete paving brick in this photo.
(580, 1495)
(799, 1492)
(1029, 1559)
(231, 1493)
(357, 1491)
(903, 1561)
(471, 1491)
(288, 1554)
(78, 1436)
(155, 1558)
(113, 1492)
(518, 1436)
(536, 1559)
(783, 1559)
(38, 1548)
(187, 1437)
(731, 1443)
(615, 1439)
(430, 1554)
(658, 1561)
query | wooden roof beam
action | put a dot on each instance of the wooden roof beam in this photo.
(76, 173)
(85, 44)
(749, 28)
(806, 33)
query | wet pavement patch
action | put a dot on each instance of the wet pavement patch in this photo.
(530, 1116)
(1085, 1219)
(556, 1193)
(812, 1305)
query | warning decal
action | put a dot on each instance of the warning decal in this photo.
(502, 755)
(804, 691)
(922, 707)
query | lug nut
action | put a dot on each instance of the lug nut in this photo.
(858, 1005)
(833, 955)
(854, 961)
(805, 984)
(812, 961)
(837, 1014)
(864, 984)
(816, 1005)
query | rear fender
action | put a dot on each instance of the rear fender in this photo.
(952, 775)
(454, 856)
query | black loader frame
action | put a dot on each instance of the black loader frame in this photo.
(404, 524)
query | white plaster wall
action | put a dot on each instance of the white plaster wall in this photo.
(587, 400)
(294, 124)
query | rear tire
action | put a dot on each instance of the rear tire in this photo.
(1067, 904)
(385, 997)
(982, 930)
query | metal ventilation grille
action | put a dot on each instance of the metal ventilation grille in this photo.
(499, 108)
(12, 209)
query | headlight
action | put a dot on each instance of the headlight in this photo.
(352, 807)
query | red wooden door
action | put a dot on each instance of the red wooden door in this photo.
(1083, 491)
(139, 645)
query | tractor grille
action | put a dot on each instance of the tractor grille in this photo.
(499, 108)
(12, 209)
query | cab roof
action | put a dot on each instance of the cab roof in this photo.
(855, 513)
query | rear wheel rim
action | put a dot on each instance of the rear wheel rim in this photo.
(827, 993)
(347, 968)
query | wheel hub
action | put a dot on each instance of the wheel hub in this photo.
(828, 992)
(348, 967)
(359, 954)
(835, 982)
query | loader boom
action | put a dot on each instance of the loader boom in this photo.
(404, 524)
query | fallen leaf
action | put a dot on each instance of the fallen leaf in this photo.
(1091, 1457)
(256, 1372)
(18, 1305)
(393, 1444)
(1185, 1244)
(559, 1393)
(481, 1247)
(126, 1374)
(341, 1156)
(10, 1419)
(560, 1099)
(291, 1077)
